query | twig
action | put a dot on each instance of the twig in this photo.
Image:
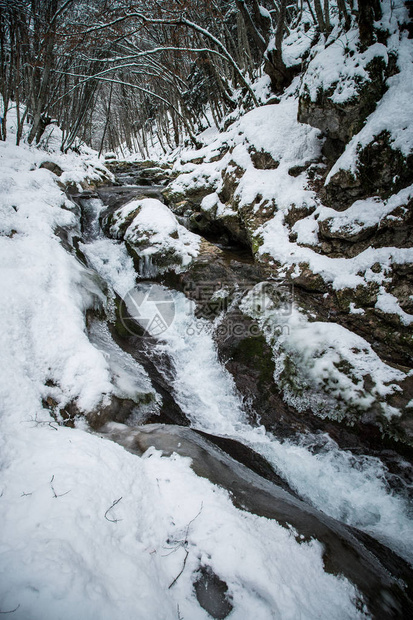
(184, 544)
(11, 610)
(181, 571)
(43, 423)
(110, 508)
(25, 494)
(54, 492)
(192, 520)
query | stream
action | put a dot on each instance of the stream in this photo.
(322, 491)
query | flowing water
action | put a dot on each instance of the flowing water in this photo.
(352, 489)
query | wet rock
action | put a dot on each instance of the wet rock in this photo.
(340, 122)
(121, 410)
(50, 165)
(212, 593)
(262, 160)
(116, 197)
(215, 277)
(246, 455)
(381, 170)
(374, 569)
(130, 339)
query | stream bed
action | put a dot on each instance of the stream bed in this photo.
(309, 482)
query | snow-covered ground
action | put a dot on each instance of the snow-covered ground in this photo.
(92, 531)
(64, 552)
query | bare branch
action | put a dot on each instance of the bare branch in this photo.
(180, 572)
(110, 508)
(54, 492)
(11, 610)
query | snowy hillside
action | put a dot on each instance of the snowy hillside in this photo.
(322, 196)
(206, 380)
(64, 551)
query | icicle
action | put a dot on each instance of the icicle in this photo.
(146, 267)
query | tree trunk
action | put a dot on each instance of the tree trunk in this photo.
(327, 16)
(369, 11)
(41, 97)
(107, 121)
(280, 75)
(320, 16)
(343, 11)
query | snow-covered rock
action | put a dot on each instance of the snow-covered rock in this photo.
(154, 236)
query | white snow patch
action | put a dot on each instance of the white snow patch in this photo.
(154, 221)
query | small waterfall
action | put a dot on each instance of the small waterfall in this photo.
(147, 269)
(91, 209)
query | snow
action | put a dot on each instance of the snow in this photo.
(393, 113)
(272, 129)
(388, 303)
(203, 389)
(364, 214)
(340, 272)
(349, 488)
(198, 177)
(275, 130)
(59, 555)
(355, 310)
(112, 262)
(322, 350)
(328, 363)
(297, 43)
(47, 286)
(339, 68)
(128, 378)
(152, 220)
(68, 559)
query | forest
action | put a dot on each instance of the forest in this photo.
(112, 73)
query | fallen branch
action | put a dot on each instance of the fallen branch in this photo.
(53, 489)
(184, 544)
(181, 571)
(11, 610)
(43, 423)
(110, 508)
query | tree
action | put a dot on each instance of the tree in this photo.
(170, 68)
